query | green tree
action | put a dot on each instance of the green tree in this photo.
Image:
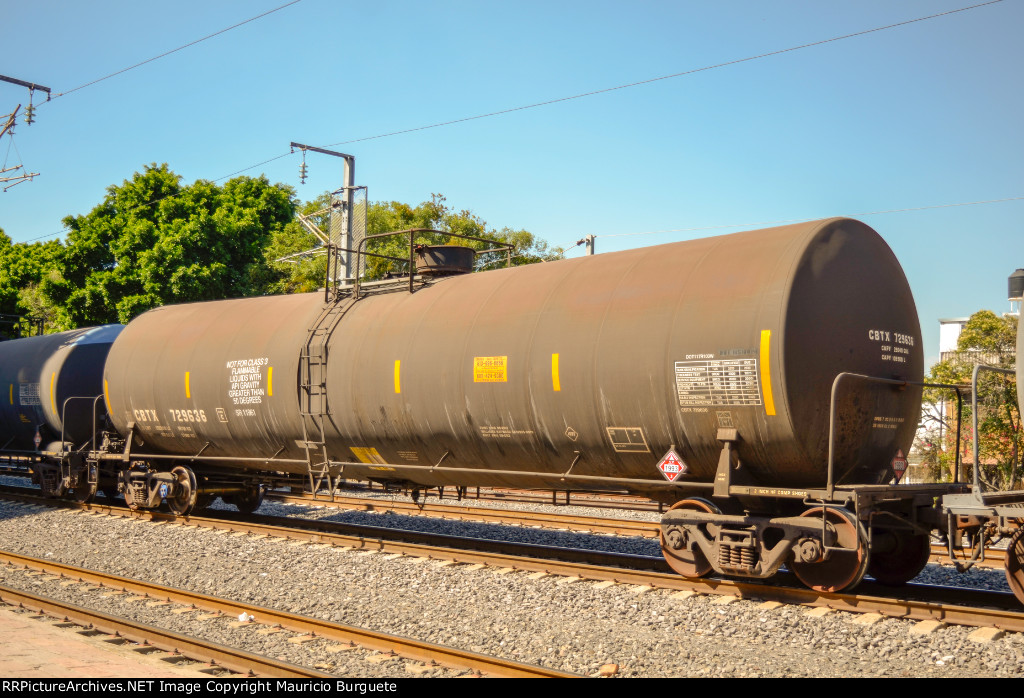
(435, 214)
(22, 267)
(153, 241)
(985, 339)
(305, 265)
(307, 273)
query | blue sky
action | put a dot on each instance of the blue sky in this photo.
(922, 115)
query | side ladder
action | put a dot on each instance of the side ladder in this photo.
(313, 397)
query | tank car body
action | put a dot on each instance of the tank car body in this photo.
(766, 384)
(52, 381)
(578, 373)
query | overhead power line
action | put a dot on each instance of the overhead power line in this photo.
(760, 224)
(634, 84)
(180, 48)
(663, 77)
(536, 104)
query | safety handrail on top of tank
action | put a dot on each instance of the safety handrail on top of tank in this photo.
(830, 484)
(412, 251)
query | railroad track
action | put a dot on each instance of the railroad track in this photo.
(569, 522)
(558, 498)
(150, 637)
(914, 602)
(994, 557)
(269, 619)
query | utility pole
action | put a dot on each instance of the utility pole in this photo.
(7, 126)
(589, 240)
(347, 192)
(30, 110)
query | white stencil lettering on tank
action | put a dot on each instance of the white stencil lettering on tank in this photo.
(894, 346)
(247, 381)
(718, 382)
(28, 394)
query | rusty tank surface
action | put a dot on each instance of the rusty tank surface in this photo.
(580, 373)
(51, 382)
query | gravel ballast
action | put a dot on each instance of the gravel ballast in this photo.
(577, 626)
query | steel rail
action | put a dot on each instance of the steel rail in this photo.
(1010, 620)
(344, 535)
(592, 524)
(369, 639)
(910, 609)
(995, 558)
(235, 660)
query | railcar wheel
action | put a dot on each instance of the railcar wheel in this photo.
(84, 493)
(247, 501)
(903, 560)
(844, 568)
(683, 555)
(183, 500)
(1015, 564)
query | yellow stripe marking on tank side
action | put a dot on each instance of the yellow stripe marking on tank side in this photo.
(398, 376)
(766, 376)
(270, 381)
(53, 399)
(188, 391)
(106, 395)
(556, 384)
(12, 393)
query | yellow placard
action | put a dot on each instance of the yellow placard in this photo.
(367, 454)
(490, 369)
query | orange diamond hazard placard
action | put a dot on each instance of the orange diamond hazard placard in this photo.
(672, 466)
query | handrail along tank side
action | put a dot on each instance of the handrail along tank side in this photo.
(596, 364)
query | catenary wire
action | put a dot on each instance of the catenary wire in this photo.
(663, 77)
(167, 53)
(537, 104)
(759, 224)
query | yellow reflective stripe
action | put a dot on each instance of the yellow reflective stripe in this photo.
(53, 400)
(12, 393)
(556, 384)
(106, 395)
(188, 392)
(766, 376)
(398, 371)
(270, 381)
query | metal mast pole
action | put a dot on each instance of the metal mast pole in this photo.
(349, 188)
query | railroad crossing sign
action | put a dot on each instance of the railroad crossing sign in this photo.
(672, 466)
(899, 464)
